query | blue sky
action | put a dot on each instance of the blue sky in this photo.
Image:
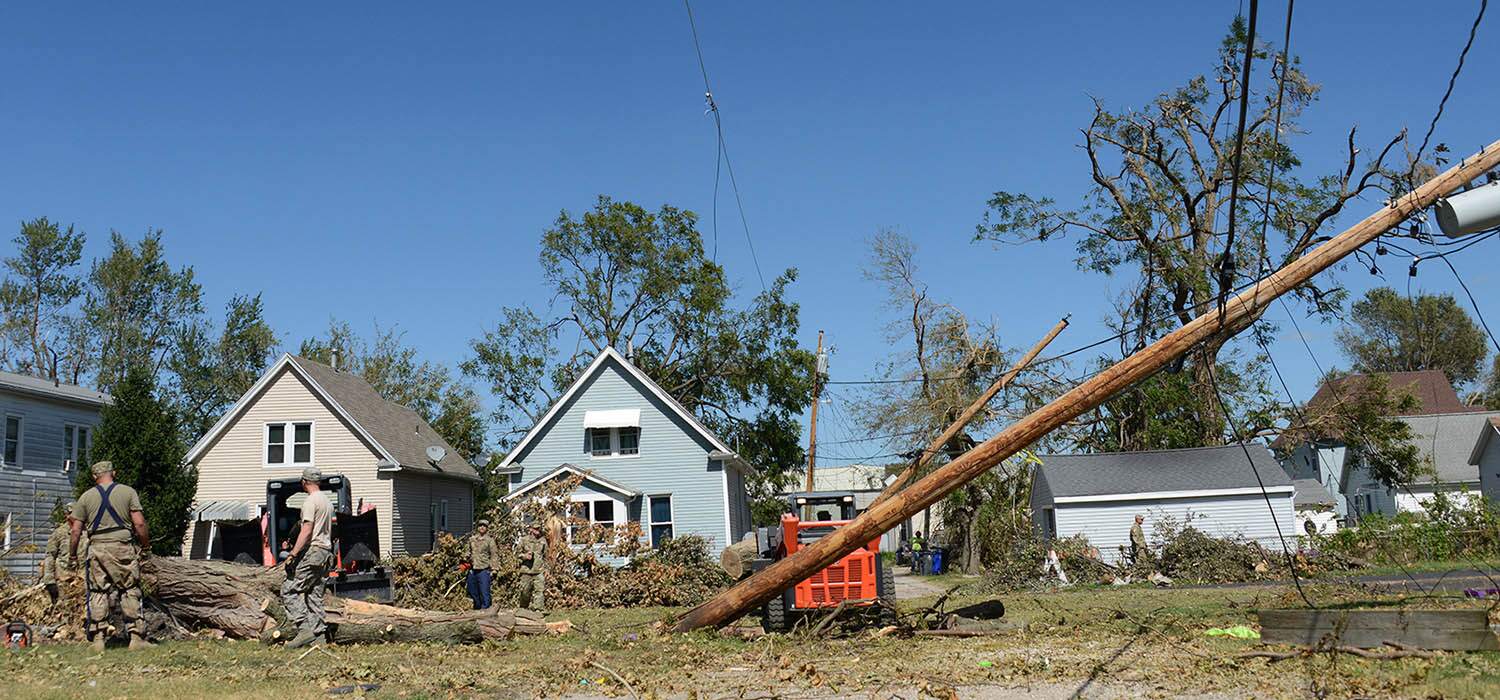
(380, 162)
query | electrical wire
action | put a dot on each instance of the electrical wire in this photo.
(1226, 261)
(723, 150)
(1452, 80)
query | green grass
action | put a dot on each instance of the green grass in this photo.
(1136, 641)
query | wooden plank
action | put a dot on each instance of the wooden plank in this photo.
(1452, 630)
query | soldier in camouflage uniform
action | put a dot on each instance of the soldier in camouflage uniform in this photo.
(482, 557)
(57, 557)
(533, 555)
(111, 513)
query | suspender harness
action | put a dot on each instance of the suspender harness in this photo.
(105, 507)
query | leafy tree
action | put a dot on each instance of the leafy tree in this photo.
(139, 433)
(399, 375)
(1360, 415)
(1391, 333)
(135, 306)
(41, 283)
(1490, 396)
(1156, 213)
(211, 374)
(632, 279)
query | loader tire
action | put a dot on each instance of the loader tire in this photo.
(773, 615)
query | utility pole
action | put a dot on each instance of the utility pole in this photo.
(820, 366)
(922, 460)
(1238, 313)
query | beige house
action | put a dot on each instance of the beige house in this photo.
(302, 413)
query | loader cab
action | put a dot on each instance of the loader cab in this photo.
(822, 505)
(284, 508)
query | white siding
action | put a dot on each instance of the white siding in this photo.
(1326, 465)
(1489, 469)
(1106, 524)
(232, 467)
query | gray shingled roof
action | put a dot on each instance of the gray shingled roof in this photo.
(38, 386)
(397, 428)
(1448, 439)
(1311, 493)
(1195, 469)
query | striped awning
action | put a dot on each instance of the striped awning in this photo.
(225, 510)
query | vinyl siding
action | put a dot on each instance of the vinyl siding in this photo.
(673, 457)
(1106, 524)
(30, 490)
(231, 467)
(414, 494)
(1489, 469)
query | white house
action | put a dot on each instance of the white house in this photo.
(1212, 489)
(1485, 457)
(1329, 460)
(1445, 442)
(1314, 506)
(302, 413)
(643, 456)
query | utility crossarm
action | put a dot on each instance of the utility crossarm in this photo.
(1238, 313)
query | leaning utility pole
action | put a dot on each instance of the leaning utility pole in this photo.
(820, 365)
(952, 431)
(1238, 313)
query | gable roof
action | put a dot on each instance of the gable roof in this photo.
(1486, 432)
(1433, 393)
(1311, 493)
(611, 355)
(1199, 470)
(617, 487)
(1446, 440)
(396, 432)
(46, 388)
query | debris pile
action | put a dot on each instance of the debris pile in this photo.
(587, 565)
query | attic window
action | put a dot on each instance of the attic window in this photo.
(612, 442)
(289, 444)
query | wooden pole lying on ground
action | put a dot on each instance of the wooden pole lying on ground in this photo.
(1237, 314)
(910, 472)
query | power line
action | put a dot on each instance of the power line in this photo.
(1286, 65)
(1452, 80)
(1226, 262)
(723, 151)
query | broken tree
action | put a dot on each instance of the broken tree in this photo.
(1237, 314)
(244, 602)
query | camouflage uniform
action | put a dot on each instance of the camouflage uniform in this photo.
(1137, 544)
(533, 584)
(114, 557)
(307, 573)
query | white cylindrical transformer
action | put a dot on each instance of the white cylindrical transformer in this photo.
(1470, 212)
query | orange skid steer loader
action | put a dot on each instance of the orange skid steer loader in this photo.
(861, 579)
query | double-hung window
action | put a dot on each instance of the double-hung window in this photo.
(609, 442)
(660, 511)
(12, 453)
(589, 521)
(76, 442)
(289, 444)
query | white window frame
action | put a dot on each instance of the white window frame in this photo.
(71, 431)
(20, 440)
(651, 522)
(615, 451)
(289, 444)
(621, 512)
(443, 515)
(9, 518)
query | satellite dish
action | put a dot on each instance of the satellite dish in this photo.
(436, 454)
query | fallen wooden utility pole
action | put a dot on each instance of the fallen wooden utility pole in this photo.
(923, 459)
(1239, 312)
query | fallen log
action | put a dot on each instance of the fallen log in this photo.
(243, 602)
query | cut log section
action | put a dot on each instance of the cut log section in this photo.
(736, 558)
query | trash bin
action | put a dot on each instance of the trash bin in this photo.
(939, 561)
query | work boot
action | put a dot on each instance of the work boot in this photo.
(138, 642)
(97, 640)
(302, 639)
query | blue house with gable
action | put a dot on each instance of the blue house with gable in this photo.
(643, 457)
